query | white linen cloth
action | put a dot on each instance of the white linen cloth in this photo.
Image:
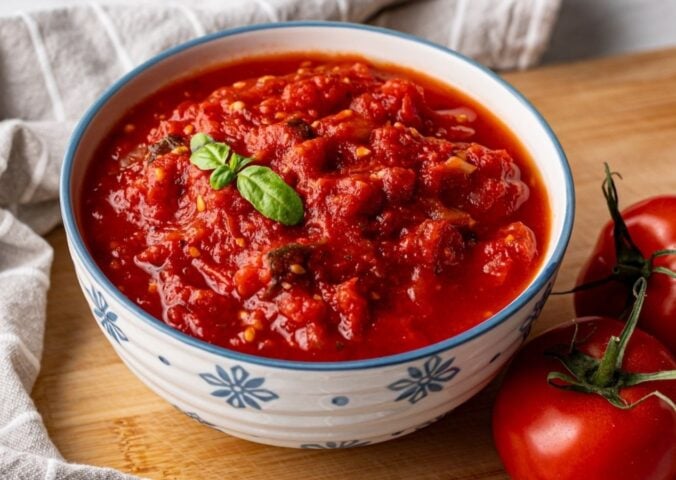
(54, 63)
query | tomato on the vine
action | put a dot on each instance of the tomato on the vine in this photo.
(579, 402)
(641, 241)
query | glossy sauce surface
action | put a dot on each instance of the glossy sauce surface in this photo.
(423, 215)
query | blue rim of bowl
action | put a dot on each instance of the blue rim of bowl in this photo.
(92, 268)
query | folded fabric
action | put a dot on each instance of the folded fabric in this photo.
(54, 63)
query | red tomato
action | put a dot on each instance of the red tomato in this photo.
(652, 227)
(543, 432)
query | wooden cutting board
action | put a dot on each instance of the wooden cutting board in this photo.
(621, 110)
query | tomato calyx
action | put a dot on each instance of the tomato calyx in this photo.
(630, 260)
(605, 376)
(630, 264)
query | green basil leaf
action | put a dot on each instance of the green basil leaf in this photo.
(246, 161)
(199, 140)
(238, 162)
(268, 193)
(221, 177)
(210, 156)
(262, 187)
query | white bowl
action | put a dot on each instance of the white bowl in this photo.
(314, 404)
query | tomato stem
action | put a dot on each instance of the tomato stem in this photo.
(630, 262)
(665, 271)
(605, 377)
(614, 354)
(640, 293)
(636, 378)
(661, 253)
(662, 270)
(626, 251)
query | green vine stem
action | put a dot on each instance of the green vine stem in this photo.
(614, 354)
(630, 262)
(627, 253)
(605, 377)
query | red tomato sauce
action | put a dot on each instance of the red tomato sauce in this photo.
(423, 214)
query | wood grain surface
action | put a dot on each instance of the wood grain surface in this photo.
(621, 110)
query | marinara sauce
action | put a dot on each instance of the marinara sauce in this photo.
(423, 214)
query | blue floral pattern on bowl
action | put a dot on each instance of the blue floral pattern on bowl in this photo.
(335, 445)
(420, 383)
(107, 318)
(238, 389)
(527, 324)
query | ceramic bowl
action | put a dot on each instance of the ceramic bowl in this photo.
(306, 404)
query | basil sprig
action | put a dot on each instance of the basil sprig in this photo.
(259, 185)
